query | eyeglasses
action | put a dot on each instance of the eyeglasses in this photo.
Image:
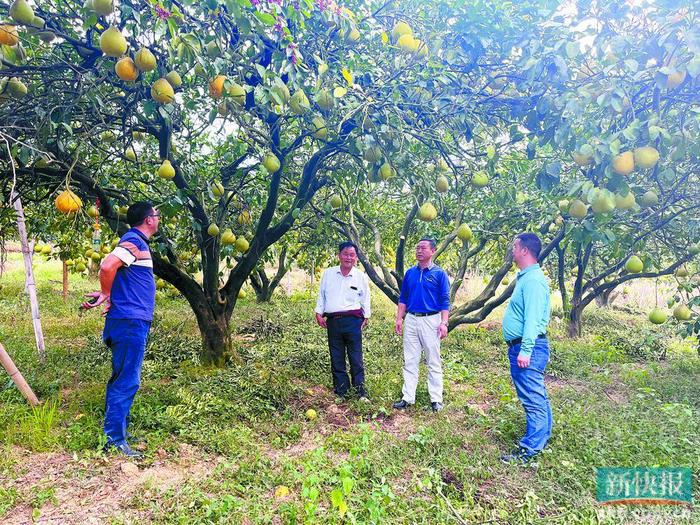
(154, 215)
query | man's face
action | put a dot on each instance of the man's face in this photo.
(519, 252)
(347, 257)
(153, 220)
(424, 251)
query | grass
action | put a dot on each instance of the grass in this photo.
(219, 442)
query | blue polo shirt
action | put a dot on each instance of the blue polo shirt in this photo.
(527, 314)
(426, 290)
(133, 293)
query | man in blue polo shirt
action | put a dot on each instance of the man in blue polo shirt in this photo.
(525, 331)
(128, 292)
(425, 304)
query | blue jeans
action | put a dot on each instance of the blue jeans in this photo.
(529, 384)
(127, 340)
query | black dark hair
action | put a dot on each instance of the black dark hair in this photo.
(532, 242)
(346, 244)
(433, 242)
(138, 212)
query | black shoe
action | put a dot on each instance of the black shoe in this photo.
(125, 450)
(519, 455)
(401, 404)
(436, 406)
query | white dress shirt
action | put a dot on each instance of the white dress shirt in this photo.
(340, 293)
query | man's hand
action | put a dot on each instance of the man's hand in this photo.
(321, 320)
(523, 360)
(365, 322)
(399, 326)
(100, 298)
(442, 331)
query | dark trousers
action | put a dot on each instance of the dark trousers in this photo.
(345, 338)
(127, 340)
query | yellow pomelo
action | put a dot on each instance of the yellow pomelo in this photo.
(271, 162)
(400, 29)
(682, 312)
(145, 60)
(623, 164)
(216, 86)
(578, 209)
(237, 93)
(228, 237)
(386, 172)
(427, 212)
(480, 179)
(174, 78)
(646, 157)
(126, 69)
(336, 201)
(625, 203)
(166, 170)
(68, 202)
(8, 35)
(442, 184)
(658, 316)
(162, 91)
(407, 43)
(112, 42)
(242, 244)
(634, 264)
(464, 232)
(102, 7)
(22, 12)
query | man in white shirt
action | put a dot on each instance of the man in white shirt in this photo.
(343, 308)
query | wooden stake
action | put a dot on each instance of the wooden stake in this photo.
(17, 377)
(65, 282)
(29, 273)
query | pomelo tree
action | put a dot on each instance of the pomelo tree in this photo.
(618, 122)
(229, 116)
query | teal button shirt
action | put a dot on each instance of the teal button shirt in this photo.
(528, 311)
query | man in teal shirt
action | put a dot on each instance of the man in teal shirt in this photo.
(525, 331)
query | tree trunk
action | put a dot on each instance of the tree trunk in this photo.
(216, 339)
(574, 329)
(561, 280)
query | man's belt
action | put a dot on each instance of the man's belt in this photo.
(346, 313)
(424, 314)
(519, 340)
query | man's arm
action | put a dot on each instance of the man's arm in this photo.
(534, 298)
(108, 271)
(444, 305)
(321, 302)
(366, 300)
(400, 314)
(403, 300)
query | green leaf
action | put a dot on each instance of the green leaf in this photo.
(265, 18)
(347, 485)
(572, 49)
(337, 497)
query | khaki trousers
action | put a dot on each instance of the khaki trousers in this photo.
(420, 334)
